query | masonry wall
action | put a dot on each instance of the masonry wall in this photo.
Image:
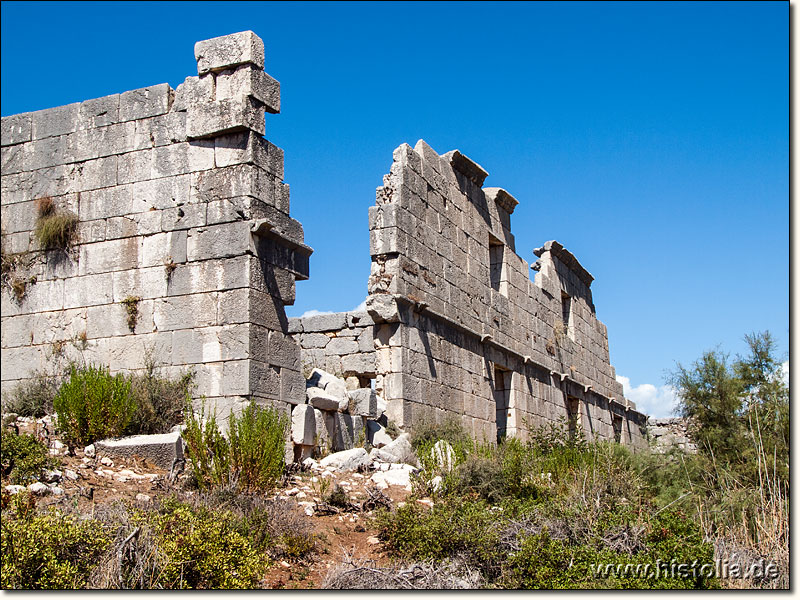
(183, 214)
(339, 343)
(461, 329)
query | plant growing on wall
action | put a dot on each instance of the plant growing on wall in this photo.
(56, 228)
(131, 304)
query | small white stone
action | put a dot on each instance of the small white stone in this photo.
(15, 489)
(55, 490)
(142, 498)
(70, 474)
(89, 451)
(309, 511)
(39, 488)
(106, 461)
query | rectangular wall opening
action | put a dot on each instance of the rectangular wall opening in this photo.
(497, 267)
(566, 314)
(502, 400)
(617, 423)
(573, 416)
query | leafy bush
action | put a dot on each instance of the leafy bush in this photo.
(253, 458)
(92, 405)
(257, 441)
(23, 457)
(205, 549)
(49, 551)
(456, 527)
(207, 449)
(33, 397)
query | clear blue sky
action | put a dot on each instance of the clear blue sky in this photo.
(651, 139)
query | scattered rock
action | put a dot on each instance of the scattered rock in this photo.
(106, 461)
(143, 498)
(56, 491)
(39, 488)
(322, 400)
(89, 451)
(347, 460)
(70, 474)
(398, 477)
(52, 476)
(436, 483)
(15, 489)
(310, 463)
(373, 540)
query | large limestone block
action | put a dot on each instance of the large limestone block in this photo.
(335, 386)
(326, 322)
(349, 431)
(304, 425)
(363, 402)
(383, 308)
(228, 51)
(347, 460)
(320, 399)
(376, 435)
(160, 449)
(247, 81)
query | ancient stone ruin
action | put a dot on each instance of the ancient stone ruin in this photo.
(183, 249)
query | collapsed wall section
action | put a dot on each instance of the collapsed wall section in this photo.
(183, 249)
(461, 330)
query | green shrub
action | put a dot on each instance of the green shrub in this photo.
(251, 459)
(92, 405)
(257, 443)
(207, 449)
(23, 457)
(33, 397)
(205, 549)
(455, 527)
(159, 400)
(49, 551)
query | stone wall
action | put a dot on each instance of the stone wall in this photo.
(668, 433)
(183, 220)
(339, 343)
(461, 330)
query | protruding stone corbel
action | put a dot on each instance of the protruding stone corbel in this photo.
(260, 226)
(486, 337)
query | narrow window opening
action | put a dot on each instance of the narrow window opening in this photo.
(497, 267)
(617, 422)
(566, 315)
(502, 396)
(573, 417)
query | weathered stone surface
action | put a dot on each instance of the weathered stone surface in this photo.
(349, 431)
(144, 102)
(393, 477)
(382, 308)
(304, 425)
(318, 398)
(346, 460)
(247, 81)
(228, 51)
(160, 449)
(333, 385)
(364, 402)
(376, 434)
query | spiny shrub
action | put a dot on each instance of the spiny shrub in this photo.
(92, 405)
(207, 449)
(23, 457)
(49, 551)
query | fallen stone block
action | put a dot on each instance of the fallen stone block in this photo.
(320, 399)
(363, 402)
(163, 449)
(376, 435)
(397, 477)
(348, 431)
(304, 425)
(333, 385)
(399, 451)
(347, 460)
(443, 456)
